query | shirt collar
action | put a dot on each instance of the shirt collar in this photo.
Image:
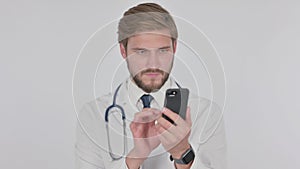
(134, 92)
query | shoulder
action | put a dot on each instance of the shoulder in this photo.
(100, 104)
(94, 109)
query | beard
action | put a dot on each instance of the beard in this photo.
(153, 86)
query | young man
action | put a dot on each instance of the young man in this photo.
(148, 41)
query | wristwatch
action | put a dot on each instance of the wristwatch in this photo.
(186, 157)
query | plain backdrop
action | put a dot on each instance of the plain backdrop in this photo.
(258, 43)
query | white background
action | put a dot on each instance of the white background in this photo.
(258, 42)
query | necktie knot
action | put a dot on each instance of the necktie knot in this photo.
(146, 99)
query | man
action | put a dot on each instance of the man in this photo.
(148, 42)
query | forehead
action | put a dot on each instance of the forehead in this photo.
(153, 39)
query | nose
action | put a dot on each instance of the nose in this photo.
(153, 60)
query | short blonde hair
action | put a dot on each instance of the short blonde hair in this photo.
(145, 17)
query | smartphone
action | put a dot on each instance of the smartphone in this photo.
(176, 100)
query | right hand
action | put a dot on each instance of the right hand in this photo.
(144, 134)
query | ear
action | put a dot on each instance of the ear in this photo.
(123, 51)
(174, 46)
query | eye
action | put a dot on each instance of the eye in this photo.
(140, 51)
(163, 50)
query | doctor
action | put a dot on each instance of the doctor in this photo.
(147, 36)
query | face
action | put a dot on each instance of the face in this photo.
(149, 57)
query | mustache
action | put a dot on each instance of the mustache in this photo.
(152, 71)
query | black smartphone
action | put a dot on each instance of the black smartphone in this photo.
(176, 100)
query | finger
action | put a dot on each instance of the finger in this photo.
(173, 116)
(132, 126)
(146, 116)
(178, 131)
(165, 133)
(160, 129)
(168, 140)
(153, 110)
(136, 118)
(164, 123)
(149, 111)
(188, 118)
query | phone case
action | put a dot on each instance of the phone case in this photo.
(176, 100)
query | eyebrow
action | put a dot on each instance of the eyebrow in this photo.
(139, 49)
(164, 47)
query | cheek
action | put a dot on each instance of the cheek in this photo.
(166, 64)
(135, 65)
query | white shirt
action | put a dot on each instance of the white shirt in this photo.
(92, 142)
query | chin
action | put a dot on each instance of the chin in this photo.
(152, 80)
(150, 84)
(153, 85)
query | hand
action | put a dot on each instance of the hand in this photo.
(145, 136)
(174, 138)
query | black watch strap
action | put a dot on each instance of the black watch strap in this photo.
(186, 157)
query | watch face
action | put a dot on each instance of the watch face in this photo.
(188, 157)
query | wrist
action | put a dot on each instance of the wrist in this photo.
(186, 158)
(135, 159)
(138, 153)
(178, 153)
(134, 163)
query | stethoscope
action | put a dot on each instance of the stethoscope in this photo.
(108, 109)
(114, 105)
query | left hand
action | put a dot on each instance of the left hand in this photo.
(174, 138)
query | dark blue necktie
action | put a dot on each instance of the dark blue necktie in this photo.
(146, 98)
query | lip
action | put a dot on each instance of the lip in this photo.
(152, 74)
